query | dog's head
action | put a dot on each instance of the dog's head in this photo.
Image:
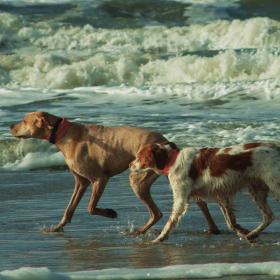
(34, 125)
(152, 157)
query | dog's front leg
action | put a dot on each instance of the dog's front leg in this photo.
(212, 227)
(172, 221)
(180, 206)
(79, 190)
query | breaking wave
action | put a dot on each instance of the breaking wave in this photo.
(45, 55)
(29, 155)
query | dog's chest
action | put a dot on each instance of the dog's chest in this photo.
(70, 163)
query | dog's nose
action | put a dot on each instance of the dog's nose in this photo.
(12, 126)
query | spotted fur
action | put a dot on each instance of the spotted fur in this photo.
(219, 173)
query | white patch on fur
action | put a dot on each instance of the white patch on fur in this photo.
(265, 170)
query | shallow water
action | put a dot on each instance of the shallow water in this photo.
(203, 73)
(32, 200)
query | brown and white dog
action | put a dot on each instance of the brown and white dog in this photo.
(216, 174)
(95, 153)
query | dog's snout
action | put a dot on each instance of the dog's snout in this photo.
(12, 126)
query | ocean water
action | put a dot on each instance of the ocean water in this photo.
(203, 73)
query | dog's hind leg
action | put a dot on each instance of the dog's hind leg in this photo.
(227, 210)
(141, 184)
(259, 195)
(212, 227)
(98, 186)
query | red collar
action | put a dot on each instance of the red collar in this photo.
(58, 131)
(173, 154)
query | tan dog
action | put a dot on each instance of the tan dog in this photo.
(95, 153)
(216, 174)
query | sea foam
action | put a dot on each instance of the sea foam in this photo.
(133, 70)
(43, 55)
(207, 271)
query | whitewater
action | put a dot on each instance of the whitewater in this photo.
(215, 270)
(203, 73)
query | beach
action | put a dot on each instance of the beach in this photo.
(202, 73)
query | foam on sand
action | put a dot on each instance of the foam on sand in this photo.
(211, 271)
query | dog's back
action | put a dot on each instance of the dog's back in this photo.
(226, 170)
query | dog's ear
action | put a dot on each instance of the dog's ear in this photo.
(160, 155)
(173, 146)
(168, 146)
(43, 120)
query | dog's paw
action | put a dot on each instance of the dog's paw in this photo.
(53, 228)
(111, 213)
(251, 236)
(213, 231)
(156, 241)
(159, 239)
(135, 232)
(243, 231)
